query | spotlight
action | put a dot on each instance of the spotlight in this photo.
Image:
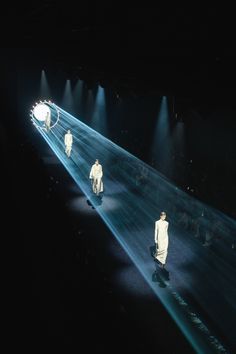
(41, 111)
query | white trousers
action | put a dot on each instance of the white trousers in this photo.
(68, 150)
(97, 185)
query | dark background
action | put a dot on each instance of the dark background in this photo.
(63, 293)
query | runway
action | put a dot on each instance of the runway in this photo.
(198, 288)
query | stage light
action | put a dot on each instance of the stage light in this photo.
(41, 111)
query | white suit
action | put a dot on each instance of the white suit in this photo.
(96, 175)
(161, 240)
(68, 143)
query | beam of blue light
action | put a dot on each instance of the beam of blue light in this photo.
(177, 150)
(161, 142)
(67, 100)
(99, 117)
(77, 95)
(89, 108)
(178, 137)
(132, 223)
(44, 87)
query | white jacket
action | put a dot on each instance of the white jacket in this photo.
(68, 139)
(96, 171)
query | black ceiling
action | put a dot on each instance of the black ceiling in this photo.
(111, 26)
(177, 49)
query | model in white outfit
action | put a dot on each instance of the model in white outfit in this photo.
(96, 177)
(161, 239)
(68, 143)
(48, 121)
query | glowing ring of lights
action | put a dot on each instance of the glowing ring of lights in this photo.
(39, 111)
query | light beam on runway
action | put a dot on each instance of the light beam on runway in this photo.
(132, 223)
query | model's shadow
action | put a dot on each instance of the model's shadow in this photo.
(157, 279)
(94, 200)
(160, 276)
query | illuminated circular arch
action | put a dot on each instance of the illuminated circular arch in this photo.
(40, 112)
